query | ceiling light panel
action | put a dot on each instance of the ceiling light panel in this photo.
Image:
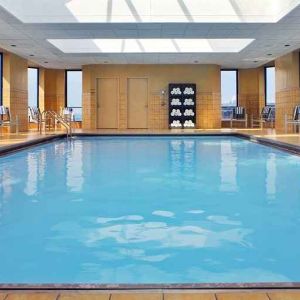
(139, 11)
(150, 45)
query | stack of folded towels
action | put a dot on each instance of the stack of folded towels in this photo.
(188, 101)
(188, 91)
(175, 101)
(176, 123)
(189, 112)
(175, 112)
(188, 123)
(176, 91)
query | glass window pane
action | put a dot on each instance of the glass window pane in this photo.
(74, 93)
(33, 87)
(229, 88)
(270, 86)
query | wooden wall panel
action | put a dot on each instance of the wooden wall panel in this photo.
(207, 78)
(251, 91)
(15, 89)
(54, 89)
(287, 86)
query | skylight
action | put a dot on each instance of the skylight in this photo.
(140, 11)
(150, 45)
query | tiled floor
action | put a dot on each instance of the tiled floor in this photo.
(266, 295)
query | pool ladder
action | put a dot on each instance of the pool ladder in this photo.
(50, 117)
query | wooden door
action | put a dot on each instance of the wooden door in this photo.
(137, 103)
(107, 103)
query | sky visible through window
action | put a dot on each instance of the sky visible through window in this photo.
(74, 92)
(228, 88)
(33, 87)
(270, 86)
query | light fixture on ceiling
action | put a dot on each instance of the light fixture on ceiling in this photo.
(269, 54)
(13, 45)
(45, 62)
(31, 55)
(157, 45)
(255, 61)
(287, 45)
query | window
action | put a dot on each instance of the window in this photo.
(1, 79)
(229, 92)
(270, 85)
(74, 92)
(229, 87)
(33, 87)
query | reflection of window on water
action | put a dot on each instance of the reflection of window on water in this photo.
(228, 171)
(75, 169)
(271, 175)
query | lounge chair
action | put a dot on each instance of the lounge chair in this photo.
(68, 114)
(294, 119)
(6, 120)
(267, 116)
(239, 115)
(34, 114)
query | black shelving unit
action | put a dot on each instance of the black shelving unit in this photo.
(182, 105)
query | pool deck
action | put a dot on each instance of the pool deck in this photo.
(13, 142)
(10, 142)
(191, 295)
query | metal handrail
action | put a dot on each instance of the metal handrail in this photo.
(53, 115)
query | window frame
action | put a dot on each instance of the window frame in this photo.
(38, 86)
(265, 78)
(237, 87)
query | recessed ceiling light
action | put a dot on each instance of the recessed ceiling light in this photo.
(31, 55)
(13, 45)
(287, 45)
(269, 54)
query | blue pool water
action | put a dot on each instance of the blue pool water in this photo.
(149, 210)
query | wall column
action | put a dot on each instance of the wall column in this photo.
(251, 92)
(15, 89)
(42, 89)
(287, 86)
(89, 105)
(54, 89)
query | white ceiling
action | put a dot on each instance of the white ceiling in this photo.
(29, 24)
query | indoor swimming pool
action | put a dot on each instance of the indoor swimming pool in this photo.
(149, 210)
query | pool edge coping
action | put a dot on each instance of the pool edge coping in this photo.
(152, 287)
